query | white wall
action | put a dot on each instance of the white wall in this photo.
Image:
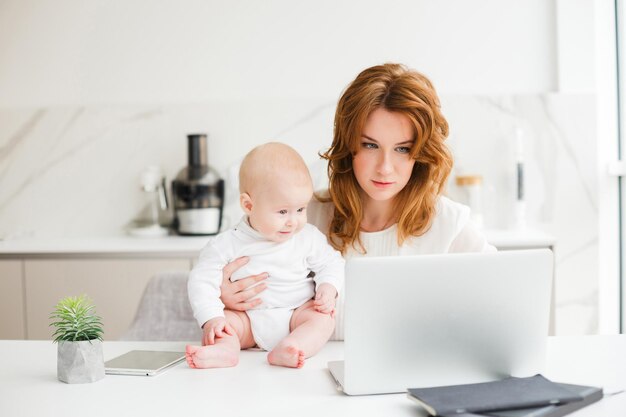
(576, 45)
(91, 92)
(56, 52)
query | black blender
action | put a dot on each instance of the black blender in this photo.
(197, 193)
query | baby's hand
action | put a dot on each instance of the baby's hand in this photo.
(325, 298)
(213, 328)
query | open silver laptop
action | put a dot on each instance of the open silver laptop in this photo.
(431, 320)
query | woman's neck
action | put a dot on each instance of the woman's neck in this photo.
(377, 216)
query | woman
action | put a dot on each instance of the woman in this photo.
(387, 167)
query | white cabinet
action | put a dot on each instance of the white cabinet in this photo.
(114, 285)
(30, 288)
(527, 239)
(34, 276)
(113, 271)
(11, 300)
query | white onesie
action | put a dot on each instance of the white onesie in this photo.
(288, 285)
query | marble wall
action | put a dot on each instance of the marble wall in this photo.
(74, 171)
(560, 155)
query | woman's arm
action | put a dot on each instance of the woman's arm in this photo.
(471, 239)
(236, 295)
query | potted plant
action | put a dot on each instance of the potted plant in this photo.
(79, 337)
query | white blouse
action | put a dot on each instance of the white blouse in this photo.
(451, 231)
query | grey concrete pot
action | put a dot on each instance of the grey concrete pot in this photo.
(80, 362)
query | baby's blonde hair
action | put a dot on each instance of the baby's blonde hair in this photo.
(269, 164)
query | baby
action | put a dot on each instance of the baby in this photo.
(296, 315)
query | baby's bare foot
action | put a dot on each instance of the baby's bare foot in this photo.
(213, 356)
(288, 356)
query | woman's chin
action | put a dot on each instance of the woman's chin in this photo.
(381, 196)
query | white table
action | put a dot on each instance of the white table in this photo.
(28, 384)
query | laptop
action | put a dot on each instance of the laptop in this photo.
(432, 320)
(142, 362)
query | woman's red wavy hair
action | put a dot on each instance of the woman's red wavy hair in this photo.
(395, 88)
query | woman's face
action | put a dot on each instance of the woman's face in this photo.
(382, 165)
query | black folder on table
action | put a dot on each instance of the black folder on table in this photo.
(589, 394)
(484, 398)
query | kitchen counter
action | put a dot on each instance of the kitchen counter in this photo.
(520, 239)
(36, 272)
(115, 246)
(183, 246)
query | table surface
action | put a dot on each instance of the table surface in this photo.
(29, 387)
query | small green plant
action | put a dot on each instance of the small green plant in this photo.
(75, 320)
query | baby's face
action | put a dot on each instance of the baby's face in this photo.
(279, 212)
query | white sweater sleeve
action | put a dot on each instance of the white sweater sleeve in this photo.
(204, 283)
(470, 239)
(325, 261)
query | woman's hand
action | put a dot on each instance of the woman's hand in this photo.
(236, 295)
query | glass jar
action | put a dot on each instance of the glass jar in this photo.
(471, 187)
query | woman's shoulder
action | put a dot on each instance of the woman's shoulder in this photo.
(451, 212)
(449, 220)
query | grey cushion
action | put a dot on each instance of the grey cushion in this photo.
(164, 312)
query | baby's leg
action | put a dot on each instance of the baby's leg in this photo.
(225, 352)
(310, 330)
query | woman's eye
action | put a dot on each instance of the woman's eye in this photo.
(282, 212)
(369, 145)
(403, 149)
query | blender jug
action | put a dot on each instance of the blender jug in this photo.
(197, 192)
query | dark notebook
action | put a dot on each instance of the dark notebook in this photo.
(506, 394)
(589, 394)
